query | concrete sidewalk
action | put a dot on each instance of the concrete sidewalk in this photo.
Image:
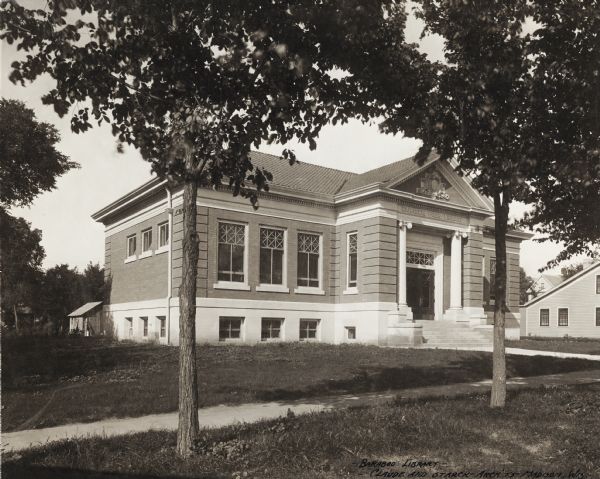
(219, 416)
(528, 352)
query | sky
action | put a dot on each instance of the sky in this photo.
(70, 235)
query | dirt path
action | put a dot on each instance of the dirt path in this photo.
(219, 416)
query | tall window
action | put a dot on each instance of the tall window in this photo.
(230, 328)
(598, 284)
(129, 326)
(308, 260)
(163, 235)
(232, 239)
(145, 326)
(131, 240)
(308, 329)
(270, 329)
(544, 317)
(597, 316)
(163, 326)
(492, 279)
(146, 240)
(563, 317)
(352, 259)
(271, 256)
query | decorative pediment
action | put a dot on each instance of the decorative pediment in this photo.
(433, 185)
(438, 181)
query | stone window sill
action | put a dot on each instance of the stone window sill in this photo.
(273, 288)
(309, 290)
(130, 259)
(233, 286)
(348, 291)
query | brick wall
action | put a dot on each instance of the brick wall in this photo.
(144, 278)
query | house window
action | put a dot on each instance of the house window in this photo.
(352, 259)
(308, 329)
(145, 326)
(492, 279)
(146, 240)
(270, 329)
(308, 259)
(597, 316)
(563, 316)
(230, 328)
(129, 326)
(544, 317)
(163, 235)
(232, 239)
(271, 255)
(163, 326)
(350, 332)
(131, 240)
(598, 284)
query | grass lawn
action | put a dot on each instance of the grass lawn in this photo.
(544, 431)
(51, 381)
(562, 345)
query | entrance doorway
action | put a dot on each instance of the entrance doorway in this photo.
(420, 292)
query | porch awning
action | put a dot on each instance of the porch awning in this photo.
(86, 308)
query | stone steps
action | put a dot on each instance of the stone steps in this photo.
(450, 335)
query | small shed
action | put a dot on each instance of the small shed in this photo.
(87, 319)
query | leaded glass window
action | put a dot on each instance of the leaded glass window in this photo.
(232, 239)
(308, 259)
(271, 256)
(419, 258)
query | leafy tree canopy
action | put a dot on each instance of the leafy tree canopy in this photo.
(29, 160)
(566, 120)
(206, 80)
(21, 256)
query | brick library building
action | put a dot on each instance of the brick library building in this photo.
(384, 257)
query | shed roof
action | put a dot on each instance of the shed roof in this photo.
(86, 308)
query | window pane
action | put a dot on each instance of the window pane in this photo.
(597, 316)
(237, 260)
(544, 317)
(224, 266)
(277, 267)
(598, 284)
(163, 234)
(146, 240)
(313, 270)
(302, 269)
(265, 266)
(353, 269)
(230, 328)
(563, 317)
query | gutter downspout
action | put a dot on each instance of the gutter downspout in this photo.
(169, 263)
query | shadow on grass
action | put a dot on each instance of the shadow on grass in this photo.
(474, 369)
(22, 471)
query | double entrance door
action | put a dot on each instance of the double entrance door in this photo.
(420, 292)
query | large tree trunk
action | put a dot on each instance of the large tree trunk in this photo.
(501, 207)
(187, 432)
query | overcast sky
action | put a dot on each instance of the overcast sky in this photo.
(71, 236)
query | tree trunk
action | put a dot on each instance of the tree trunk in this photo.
(187, 432)
(501, 207)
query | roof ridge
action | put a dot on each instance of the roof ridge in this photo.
(566, 282)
